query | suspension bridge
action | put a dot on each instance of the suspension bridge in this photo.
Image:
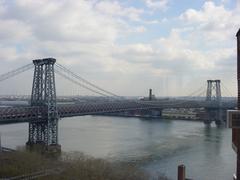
(43, 112)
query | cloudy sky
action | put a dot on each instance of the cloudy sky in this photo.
(126, 46)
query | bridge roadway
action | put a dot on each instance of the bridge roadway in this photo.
(31, 113)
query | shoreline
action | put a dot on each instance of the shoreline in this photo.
(152, 117)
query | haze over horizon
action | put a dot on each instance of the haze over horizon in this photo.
(125, 46)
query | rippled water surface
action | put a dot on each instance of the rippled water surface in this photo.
(156, 145)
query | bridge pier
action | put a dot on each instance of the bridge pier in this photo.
(216, 115)
(43, 132)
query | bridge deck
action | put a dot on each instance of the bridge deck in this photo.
(28, 113)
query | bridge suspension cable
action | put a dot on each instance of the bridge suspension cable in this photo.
(227, 91)
(15, 72)
(202, 93)
(197, 92)
(79, 84)
(76, 79)
(79, 78)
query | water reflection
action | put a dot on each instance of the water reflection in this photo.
(213, 140)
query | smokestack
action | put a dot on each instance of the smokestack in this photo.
(150, 94)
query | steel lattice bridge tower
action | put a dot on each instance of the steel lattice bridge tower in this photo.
(44, 129)
(214, 95)
(214, 91)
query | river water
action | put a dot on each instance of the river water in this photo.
(158, 146)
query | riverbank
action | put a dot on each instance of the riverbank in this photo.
(69, 166)
(152, 117)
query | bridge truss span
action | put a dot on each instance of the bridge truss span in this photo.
(38, 114)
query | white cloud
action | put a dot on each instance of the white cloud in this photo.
(134, 53)
(175, 50)
(212, 22)
(13, 30)
(157, 4)
(211, 31)
(80, 34)
(91, 37)
(72, 26)
(114, 8)
(8, 53)
(141, 29)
